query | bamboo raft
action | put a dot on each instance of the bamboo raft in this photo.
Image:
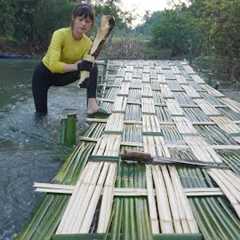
(163, 108)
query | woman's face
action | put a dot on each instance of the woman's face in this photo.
(80, 26)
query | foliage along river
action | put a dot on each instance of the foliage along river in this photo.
(29, 151)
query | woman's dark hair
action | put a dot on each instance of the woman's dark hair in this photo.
(83, 10)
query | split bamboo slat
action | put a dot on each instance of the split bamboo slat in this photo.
(107, 145)
(174, 107)
(120, 104)
(115, 123)
(148, 106)
(150, 124)
(155, 85)
(165, 91)
(197, 79)
(161, 79)
(107, 199)
(226, 124)
(211, 91)
(175, 70)
(74, 215)
(207, 108)
(147, 90)
(173, 208)
(151, 201)
(124, 89)
(155, 145)
(201, 149)
(234, 105)
(128, 77)
(188, 69)
(191, 92)
(184, 126)
(181, 80)
(146, 78)
(229, 184)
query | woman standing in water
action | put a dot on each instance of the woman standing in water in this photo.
(64, 60)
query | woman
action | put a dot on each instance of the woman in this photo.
(63, 62)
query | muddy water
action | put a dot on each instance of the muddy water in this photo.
(29, 150)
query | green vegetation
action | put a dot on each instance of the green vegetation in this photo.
(205, 32)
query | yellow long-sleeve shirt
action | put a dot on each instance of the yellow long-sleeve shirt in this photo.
(65, 49)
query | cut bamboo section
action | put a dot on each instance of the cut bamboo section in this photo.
(120, 104)
(201, 149)
(207, 108)
(226, 124)
(148, 106)
(108, 145)
(124, 89)
(150, 124)
(174, 108)
(165, 91)
(147, 90)
(191, 92)
(230, 185)
(234, 105)
(115, 123)
(184, 126)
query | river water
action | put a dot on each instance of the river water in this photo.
(29, 151)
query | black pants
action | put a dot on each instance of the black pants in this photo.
(43, 79)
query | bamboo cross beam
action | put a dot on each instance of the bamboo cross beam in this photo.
(126, 192)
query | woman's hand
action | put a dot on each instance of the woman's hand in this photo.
(84, 65)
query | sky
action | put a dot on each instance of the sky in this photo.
(138, 7)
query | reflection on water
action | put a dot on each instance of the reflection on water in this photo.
(29, 151)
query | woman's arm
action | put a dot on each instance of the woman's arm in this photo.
(54, 54)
